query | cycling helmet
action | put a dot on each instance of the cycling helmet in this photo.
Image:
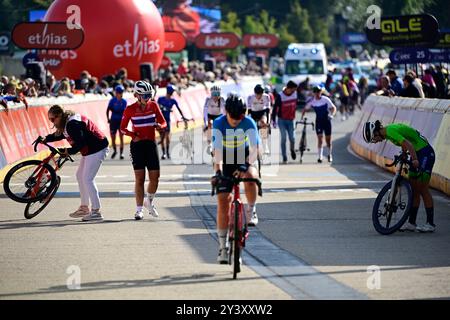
(215, 91)
(259, 89)
(119, 88)
(267, 89)
(317, 89)
(368, 130)
(143, 87)
(235, 106)
(170, 89)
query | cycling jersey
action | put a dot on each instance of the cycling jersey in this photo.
(285, 106)
(321, 107)
(213, 108)
(166, 105)
(143, 121)
(256, 105)
(399, 132)
(82, 134)
(117, 107)
(234, 142)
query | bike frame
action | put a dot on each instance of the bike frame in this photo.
(241, 219)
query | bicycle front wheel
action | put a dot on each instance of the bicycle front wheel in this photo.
(388, 217)
(29, 181)
(34, 208)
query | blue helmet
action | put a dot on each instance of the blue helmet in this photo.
(170, 89)
(119, 88)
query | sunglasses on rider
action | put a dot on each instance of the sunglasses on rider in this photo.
(146, 96)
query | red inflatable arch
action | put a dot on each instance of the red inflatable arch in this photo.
(117, 33)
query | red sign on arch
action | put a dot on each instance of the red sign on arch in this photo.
(255, 41)
(46, 35)
(175, 41)
(217, 41)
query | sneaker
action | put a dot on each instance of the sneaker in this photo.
(168, 156)
(113, 155)
(330, 158)
(408, 227)
(222, 258)
(151, 208)
(253, 220)
(93, 216)
(293, 154)
(266, 149)
(319, 160)
(163, 157)
(426, 228)
(122, 157)
(285, 160)
(139, 215)
(81, 212)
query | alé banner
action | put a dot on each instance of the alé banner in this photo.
(399, 31)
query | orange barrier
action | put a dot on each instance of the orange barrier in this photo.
(430, 116)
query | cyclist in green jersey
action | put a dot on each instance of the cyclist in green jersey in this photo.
(422, 158)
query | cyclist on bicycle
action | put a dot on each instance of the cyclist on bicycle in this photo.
(146, 117)
(235, 147)
(259, 109)
(214, 108)
(166, 104)
(423, 157)
(325, 111)
(116, 106)
(84, 137)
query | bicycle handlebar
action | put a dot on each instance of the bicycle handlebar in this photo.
(304, 122)
(52, 149)
(185, 120)
(400, 158)
(236, 181)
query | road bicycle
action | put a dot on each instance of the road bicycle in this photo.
(303, 146)
(187, 140)
(237, 221)
(35, 182)
(392, 205)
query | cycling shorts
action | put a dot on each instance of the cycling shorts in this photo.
(213, 117)
(226, 186)
(426, 157)
(323, 126)
(144, 154)
(114, 126)
(257, 115)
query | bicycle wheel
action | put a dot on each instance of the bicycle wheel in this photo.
(21, 181)
(237, 241)
(389, 217)
(34, 208)
(302, 147)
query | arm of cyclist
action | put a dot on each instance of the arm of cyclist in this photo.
(407, 146)
(275, 110)
(205, 112)
(332, 108)
(124, 124)
(76, 131)
(160, 120)
(179, 110)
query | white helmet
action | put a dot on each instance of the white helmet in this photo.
(215, 91)
(368, 130)
(143, 87)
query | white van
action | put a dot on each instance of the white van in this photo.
(305, 60)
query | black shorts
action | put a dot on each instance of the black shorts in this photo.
(426, 157)
(144, 154)
(114, 126)
(257, 115)
(226, 186)
(323, 126)
(213, 117)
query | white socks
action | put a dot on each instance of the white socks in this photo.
(222, 233)
(320, 153)
(150, 197)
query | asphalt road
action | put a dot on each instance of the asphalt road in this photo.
(314, 240)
